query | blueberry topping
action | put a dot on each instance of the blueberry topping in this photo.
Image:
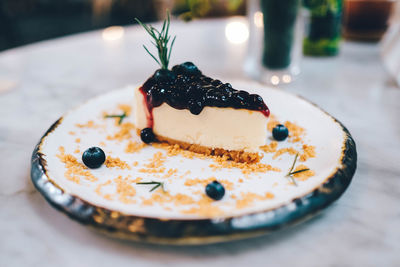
(240, 98)
(257, 100)
(93, 157)
(185, 87)
(280, 132)
(216, 83)
(147, 135)
(187, 68)
(215, 190)
(155, 96)
(164, 76)
(195, 106)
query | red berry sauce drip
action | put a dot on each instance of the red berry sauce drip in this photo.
(186, 88)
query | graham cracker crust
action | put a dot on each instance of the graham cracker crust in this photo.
(237, 156)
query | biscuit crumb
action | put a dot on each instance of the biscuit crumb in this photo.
(125, 190)
(205, 207)
(296, 132)
(124, 132)
(100, 186)
(75, 170)
(155, 165)
(170, 172)
(127, 108)
(249, 198)
(186, 173)
(281, 151)
(133, 147)
(246, 168)
(303, 176)
(116, 162)
(89, 124)
(270, 148)
(308, 152)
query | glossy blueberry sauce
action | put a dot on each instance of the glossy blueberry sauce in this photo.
(185, 87)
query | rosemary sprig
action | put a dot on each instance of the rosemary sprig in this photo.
(299, 171)
(121, 117)
(294, 163)
(160, 41)
(157, 185)
(291, 172)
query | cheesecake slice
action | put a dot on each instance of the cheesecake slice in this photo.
(182, 106)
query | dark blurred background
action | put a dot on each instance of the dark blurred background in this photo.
(27, 21)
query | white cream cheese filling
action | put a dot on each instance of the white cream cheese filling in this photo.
(214, 127)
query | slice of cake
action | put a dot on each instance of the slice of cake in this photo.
(200, 114)
(182, 106)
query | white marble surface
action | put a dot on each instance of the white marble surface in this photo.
(38, 83)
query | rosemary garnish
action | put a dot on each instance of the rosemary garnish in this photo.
(157, 185)
(121, 117)
(299, 171)
(294, 163)
(291, 172)
(161, 40)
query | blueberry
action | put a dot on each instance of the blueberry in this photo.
(206, 80)
(258, 102)
(243, 94)
(194, 91)
(93, 157)
(215, 190)
(216, 83)
(176, 99)
(147, 135)
(226, 90)
(164, 76)
(149, 83)
(182, 80)
(224, 100)
(156, 96)
(239, 98)
(189, 68)
(195, 106)
(280, 132)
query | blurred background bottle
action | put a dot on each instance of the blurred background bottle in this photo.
(274, 48)
(279, 20)
(323, 20)
(366, 20)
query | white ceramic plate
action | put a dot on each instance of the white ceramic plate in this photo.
(98, 203)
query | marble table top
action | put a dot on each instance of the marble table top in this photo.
(40, 82)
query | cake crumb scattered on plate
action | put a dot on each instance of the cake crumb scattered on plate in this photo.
(308, 152)
(74, 169)
(112, 162)
(124, 133)
(303, 176)
(134, 146)
(270, 148)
